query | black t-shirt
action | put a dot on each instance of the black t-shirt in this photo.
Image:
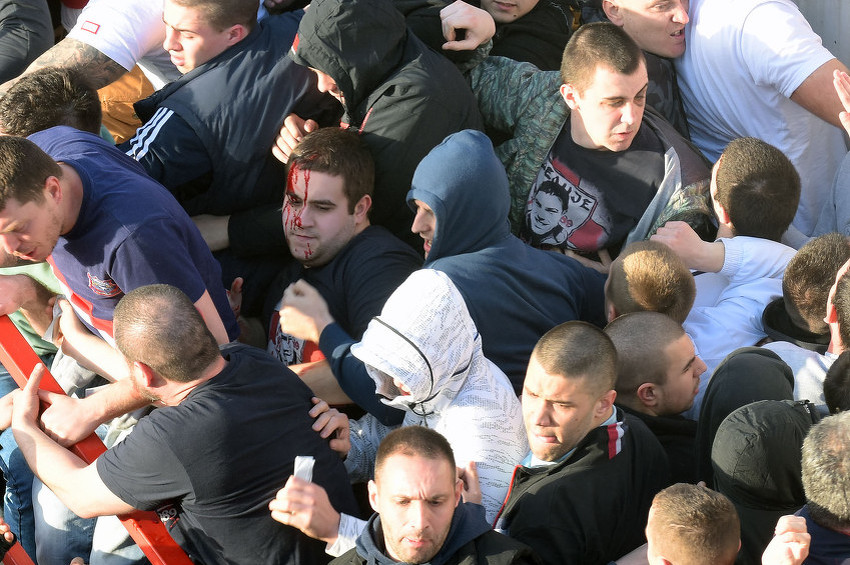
(586, 200)
(355, 284)
(210, 465)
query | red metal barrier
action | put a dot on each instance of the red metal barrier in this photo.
(145, 528)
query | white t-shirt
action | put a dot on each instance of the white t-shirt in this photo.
(130, 32)
(744, 59)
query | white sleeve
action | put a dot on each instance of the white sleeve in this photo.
(347, 534)
(125, 30)
(749, 258)
(779, 46)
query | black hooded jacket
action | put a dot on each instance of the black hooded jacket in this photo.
(400, 95)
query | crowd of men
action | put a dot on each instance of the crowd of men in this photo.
(379, 281)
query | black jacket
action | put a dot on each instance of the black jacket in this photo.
(400, 95)
(592, 507)
(229, 111)
(470, 541)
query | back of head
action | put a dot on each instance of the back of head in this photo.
(412, 441)
(24, 169)
(808, 278)
(51, 96)
(222, 14)
(641, 339)
(826, 472)
(648, 275)
(340, 153)
(159, 326)
(693, 525)
(836, 385)
(758, 187)
(598, 44)
(355, 42)
(466, 186)
(578, 350)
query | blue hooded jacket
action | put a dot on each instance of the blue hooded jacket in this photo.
(514, 292)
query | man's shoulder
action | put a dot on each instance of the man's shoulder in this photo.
(372, 249)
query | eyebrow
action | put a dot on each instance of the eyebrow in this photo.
(645, 87)
(689, 363)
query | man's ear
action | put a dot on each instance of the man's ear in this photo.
(722, 215)
(610, 312)
(361, 209)
(570, 95)
(53, 189)
(372, 487)
(236, 33)
(612, 10)
(146, 375)
(647, 394)
(605, 402)
(458, 491)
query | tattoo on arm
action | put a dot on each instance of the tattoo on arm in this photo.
(71, 53)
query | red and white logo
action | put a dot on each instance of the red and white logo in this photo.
(90, 27)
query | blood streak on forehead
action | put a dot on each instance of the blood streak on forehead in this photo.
(291, 220)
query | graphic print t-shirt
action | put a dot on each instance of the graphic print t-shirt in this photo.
(586, 200)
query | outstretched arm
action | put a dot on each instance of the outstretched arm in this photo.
(99, 69)
(815, 95)
(77, 484)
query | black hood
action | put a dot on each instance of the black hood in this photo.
(358, 43)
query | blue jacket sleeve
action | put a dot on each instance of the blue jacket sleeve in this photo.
(351, 374)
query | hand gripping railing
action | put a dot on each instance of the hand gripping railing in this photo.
(147, 531)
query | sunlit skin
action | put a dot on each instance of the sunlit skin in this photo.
(507, 11)
(424, 224)
(30, 231)
(657, 26)
(190, 40)
(329, 85)
(681, 384)
(558, 411)
(608, 114)
(316, 218)
(416, 499)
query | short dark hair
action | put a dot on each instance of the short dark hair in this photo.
(758, 187)
(598, 44)
(826, 471)
(24, 169)
(159, 326)
(696, 525)
(809, 276)
(578, 350)
(48, 97)
(414, 440)
(221, 14)
(640, 339)
(836, 385)
(337, 152)
(648, 275)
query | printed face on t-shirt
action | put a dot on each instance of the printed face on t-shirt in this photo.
(608, 114)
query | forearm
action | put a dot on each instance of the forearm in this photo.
(95, 354)
(321, 380)
(53, 464)
(112, 401)
(35, 308)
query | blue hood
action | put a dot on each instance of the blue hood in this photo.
(466, 186)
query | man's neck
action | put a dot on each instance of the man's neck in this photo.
(72, 197)
(178, 392)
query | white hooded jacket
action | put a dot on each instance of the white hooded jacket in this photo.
(425, 340)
